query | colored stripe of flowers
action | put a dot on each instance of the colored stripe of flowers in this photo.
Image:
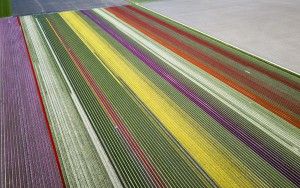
(200, 145)
(44, 110)
(218, 49)
(274, 159)
(120, 126)
(170, 162)
(128, 168)
(156, 34)
(26, 155)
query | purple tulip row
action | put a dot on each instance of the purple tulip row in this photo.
(26, 155)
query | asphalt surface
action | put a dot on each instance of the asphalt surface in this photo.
(267, 28)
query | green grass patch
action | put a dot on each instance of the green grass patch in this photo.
(5, 8)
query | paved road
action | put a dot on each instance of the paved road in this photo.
(267, 28)
(25, 7)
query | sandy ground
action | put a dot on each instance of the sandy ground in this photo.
(267, 28)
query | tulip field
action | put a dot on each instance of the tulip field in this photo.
(124, 97)
(29, 7)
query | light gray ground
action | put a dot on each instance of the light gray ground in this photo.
(266, 28)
